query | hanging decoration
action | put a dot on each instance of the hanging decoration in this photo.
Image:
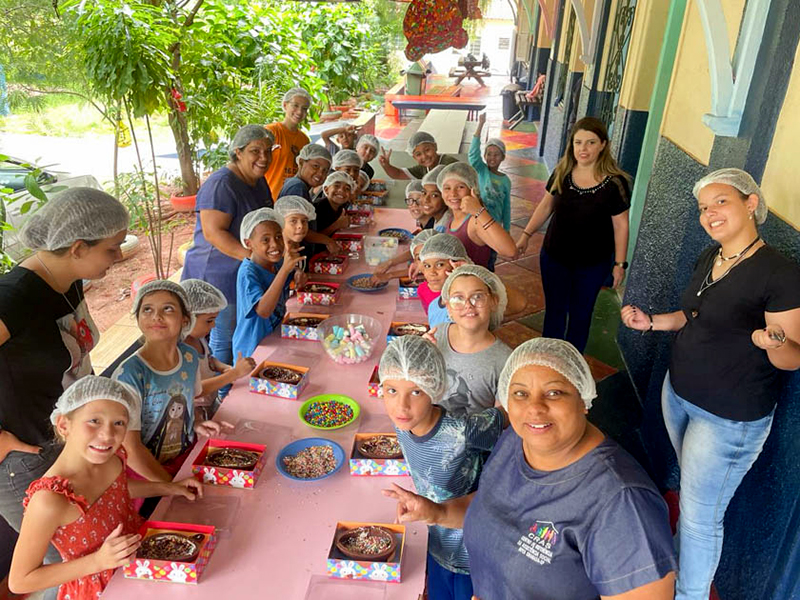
(431, 26)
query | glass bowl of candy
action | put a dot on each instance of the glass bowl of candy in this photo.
(349, 339)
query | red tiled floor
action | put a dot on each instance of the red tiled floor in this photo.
(529, 262)
(600, 370)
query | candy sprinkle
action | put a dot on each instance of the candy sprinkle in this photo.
(310, 463)
(329, 413)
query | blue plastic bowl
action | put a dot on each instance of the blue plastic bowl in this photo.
(298, 445)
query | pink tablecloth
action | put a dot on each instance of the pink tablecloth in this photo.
(274, 539)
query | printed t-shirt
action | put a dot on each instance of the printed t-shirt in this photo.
(495, 187)
(284, 159)
(437, 313)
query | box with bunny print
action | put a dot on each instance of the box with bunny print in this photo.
(374, 388)
(234, 464)
(279, 379)
(327, 263)
(186, 550)
(377, 454)
(342, 566)
(351, 242)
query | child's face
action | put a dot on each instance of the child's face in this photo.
(414, 203)
(366, 152)
(295, 228)
(203, 325)
(435, 271)
(432, 201)
(426, 155)
(266, 242)
(296, 110)
(338, 193)
(493, 157)
(346, 140)
(95, 430)
(314, 171)
(453, 190)
(465, 314)
(160, 317)
(352, 170)
(406, 404)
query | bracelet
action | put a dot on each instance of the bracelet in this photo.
(488, 224)
(526, 233)
(479, 213)
(649, 316)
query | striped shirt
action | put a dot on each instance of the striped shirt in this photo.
(446, 463)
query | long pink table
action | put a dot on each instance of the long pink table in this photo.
(274, 539)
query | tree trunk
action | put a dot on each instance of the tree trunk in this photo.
(177, 122)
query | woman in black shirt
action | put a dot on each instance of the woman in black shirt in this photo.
(738, 326)
(588, 198)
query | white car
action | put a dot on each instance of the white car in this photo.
(12, 175)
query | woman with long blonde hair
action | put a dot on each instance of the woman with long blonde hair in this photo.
(588, 196)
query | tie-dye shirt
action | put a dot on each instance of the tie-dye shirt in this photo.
(446, 463)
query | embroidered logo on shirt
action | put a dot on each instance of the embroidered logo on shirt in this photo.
(539, 543)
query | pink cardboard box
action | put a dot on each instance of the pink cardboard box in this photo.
(361, 466)
(359, 216)
(300, 332)
(271, 387)
(407, 289)
(352, 242)
(374, 386)
(238, 478)
(307, 297)
(325, 263)
(342, 567)
(169, 571)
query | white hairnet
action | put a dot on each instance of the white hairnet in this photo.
(420, 239)
(420, 137)
(460, 172)
(335, 176)
(742, 181)
(364, 179)
(312, 151)
(253, 218)
(430, 177)
(413, 358)
(346, 158)
(78, 213)
(498, 143)
(92, 387)
(247, 134)
(204, 298)
(165, 285)
(296, 91)
(444, 245)
(492, 281)
(294, 205)
(369, 140)
(558, 355)
(414, 187)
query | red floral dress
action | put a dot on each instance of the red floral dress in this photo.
(86, 534)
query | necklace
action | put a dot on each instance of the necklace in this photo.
(582, 191)
(707, 282)
(53, 277)
(721, 259)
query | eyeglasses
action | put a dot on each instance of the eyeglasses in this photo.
(478, 300)
(412, 201)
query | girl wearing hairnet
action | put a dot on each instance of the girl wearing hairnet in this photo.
(340, 138)
(562, 512)
(444, 452)
(422, 148)
(289, 138)
(205, 303)
(439, 256)
(368, 148)
(166, 375)
(314, 162)
(495, 187)
(96, 536)
(738, 327)
(46, 331)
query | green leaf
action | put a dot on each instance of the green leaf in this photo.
(33, 188)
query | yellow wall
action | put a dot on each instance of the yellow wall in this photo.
(606, 56)
(644, 50)
(544, 40)
(690, 89)
(781, 181)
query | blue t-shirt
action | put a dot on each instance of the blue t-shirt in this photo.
(294, 186)
(437, 313)
(251, 283)
(446, 463)
(166, 418)
(225, 192)
(495, 187)
(596, 527)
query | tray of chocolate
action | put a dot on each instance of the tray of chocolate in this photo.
(318, 293)
(380, 446)
(370, 542)
(233, 458)
(327, 263)
(319, 288)
(171, 546)
(305, 321)
(281, 374)
(302, 326)
(279, 379)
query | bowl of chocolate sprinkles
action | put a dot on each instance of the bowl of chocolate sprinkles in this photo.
(369, 542)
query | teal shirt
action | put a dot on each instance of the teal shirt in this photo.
(495, 187)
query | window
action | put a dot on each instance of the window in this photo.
(475, 46)
(504, 43)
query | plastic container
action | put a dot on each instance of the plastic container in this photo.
(378, 249)
(372, 326)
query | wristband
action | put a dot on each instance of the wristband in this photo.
(526, 233)
(649, 316)
(480, 212)
(488, 224)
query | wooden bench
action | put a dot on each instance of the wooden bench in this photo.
(449, 92)
(471, 105)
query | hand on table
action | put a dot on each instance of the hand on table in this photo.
(211, 428)
(189, 488)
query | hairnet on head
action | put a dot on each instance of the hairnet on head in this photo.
(247, 134)
(346, 158)
(165, 285)
(444, 245)
(368, 140)
(296, 91)
(558, 355)
(294, 205)
(498, 143)
(92, 387)
(419, 240)
(413, 358)
(420, 137)
(78, 213)
(312, 151)
(431, 176)
(742, 181)
(204, 298)
(460, 172)
(253, 218)
(364, 180)
(339, 176)
(414, 187)
(492, 281)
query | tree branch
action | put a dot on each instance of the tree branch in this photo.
(27, 88)
(192, 14)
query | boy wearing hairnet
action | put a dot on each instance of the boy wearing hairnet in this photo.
(340, 138)
(289, 139)
(422, 148)
(313, 165)
(444, 452)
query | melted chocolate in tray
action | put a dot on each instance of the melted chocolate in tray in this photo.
(410, 329)
(336, 260)
(304, 321)
(319, 288)
(281, 374)
(171, 546)
(381, 446)
(232, 458)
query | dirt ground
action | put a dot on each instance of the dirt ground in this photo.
(110, 298)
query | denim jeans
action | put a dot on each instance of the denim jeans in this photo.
(714, 455)
(17, 471)
(221, 340)
(446, 585)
